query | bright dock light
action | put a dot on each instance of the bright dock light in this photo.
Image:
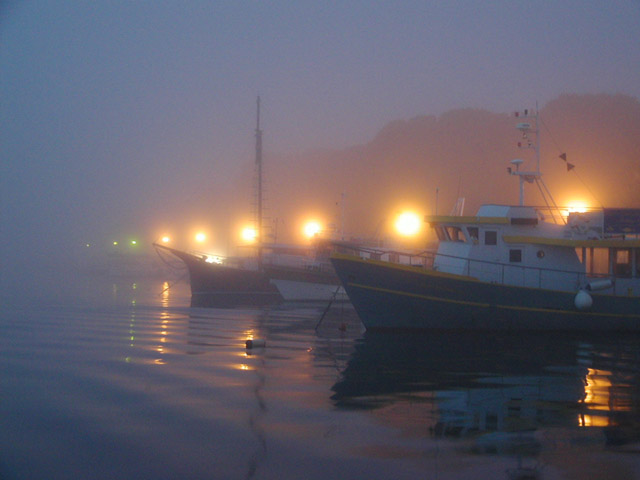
(311, 229)
(200, 237)
(577, 206)
(408, 224)
(165, 239)
(249, 234)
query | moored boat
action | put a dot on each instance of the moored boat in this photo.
(225, 285)
(291, 273)
(232, 282)
(509, 268)
(305, 275)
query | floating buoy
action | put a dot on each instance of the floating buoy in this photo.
(583, 300)
(255, 343)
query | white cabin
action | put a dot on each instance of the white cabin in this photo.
(515, 245)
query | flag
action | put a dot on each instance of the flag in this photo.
(563, 156)
(570, 166)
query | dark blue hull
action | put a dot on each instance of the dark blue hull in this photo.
(399, 297)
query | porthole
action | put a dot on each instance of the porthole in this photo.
(540, 254)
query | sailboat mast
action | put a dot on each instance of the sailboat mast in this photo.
(259, 184)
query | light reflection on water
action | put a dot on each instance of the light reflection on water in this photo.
(127, 381)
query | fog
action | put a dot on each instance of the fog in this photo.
(125, 120)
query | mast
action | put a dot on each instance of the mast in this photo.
(530, 128)
(258, 166)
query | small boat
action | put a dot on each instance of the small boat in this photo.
(304, 273)
(509, 268)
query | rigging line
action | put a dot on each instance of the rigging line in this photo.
(171, 265)
(587, 187)
(171, 285)
(555, 205)
(546, 201)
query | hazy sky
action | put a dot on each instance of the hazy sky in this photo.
(113, 111)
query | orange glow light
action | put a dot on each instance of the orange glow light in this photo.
(166, 239)
(200, 237)
(408, 224)
(577, 206)
(249, 234)
(311, 229)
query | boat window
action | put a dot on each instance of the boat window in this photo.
(490, 238)
(473, 234)
(442, 235)
(515, 255)
(621, 262)
(637, 252)
(455, 234)
(597, 261)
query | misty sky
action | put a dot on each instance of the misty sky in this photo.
(114, 113)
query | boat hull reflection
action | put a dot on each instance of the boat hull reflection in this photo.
(503, 393)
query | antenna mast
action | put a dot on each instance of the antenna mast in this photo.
(259, 184)
(528, 130)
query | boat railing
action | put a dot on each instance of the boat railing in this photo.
(421, 258)
(298, 262)
(525, 275)
(491, 271)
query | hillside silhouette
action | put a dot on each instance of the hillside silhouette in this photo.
(463, 153)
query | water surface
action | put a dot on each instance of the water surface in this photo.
(116, 378)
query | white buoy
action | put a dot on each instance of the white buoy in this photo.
(255, 343)
(599, 285)
(583, 300)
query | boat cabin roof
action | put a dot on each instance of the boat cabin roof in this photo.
(490, 214)
(612, 228)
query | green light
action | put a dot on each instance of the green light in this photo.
(134, 242)
(115, 243)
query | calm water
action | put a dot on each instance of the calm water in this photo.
(120, 380)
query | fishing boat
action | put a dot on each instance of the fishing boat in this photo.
(305, 273)
(278, 272)
(509, 268)
(231, 282)
(291, 273)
